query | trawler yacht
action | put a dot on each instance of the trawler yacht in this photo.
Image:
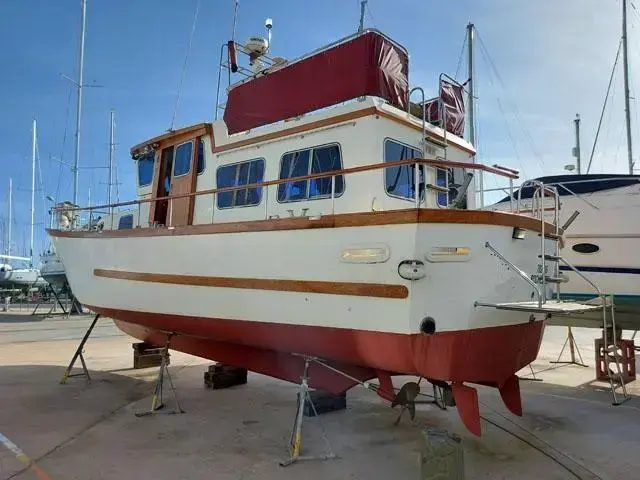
(324, 215)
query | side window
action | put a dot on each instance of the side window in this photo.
(145, 169)
(182, 159)
(294, 165)
(442, 177)
(236, 175)
(326, 159)
(200, 162)
(309, 162)
(125, 222)
(400, 180)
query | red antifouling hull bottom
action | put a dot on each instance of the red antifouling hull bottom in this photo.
(488, 356)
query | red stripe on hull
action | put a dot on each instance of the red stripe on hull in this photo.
(485, 355)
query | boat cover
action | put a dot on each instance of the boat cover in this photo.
(369, 64)
(451, 100)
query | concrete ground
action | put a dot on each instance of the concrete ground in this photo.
(89, 431)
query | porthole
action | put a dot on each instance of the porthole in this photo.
(586, 248)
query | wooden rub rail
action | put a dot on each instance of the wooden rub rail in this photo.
(378, 290)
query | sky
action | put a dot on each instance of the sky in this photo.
(538, 63)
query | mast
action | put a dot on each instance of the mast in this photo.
(471, 30)
(33, 191)
(627, 110)
(79, 105)
(112, 147)
(576, 149)
(471, 94)
(10, 219)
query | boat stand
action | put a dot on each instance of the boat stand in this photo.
(50, 289)
(157, 399)
(573, 348)
(79, 354)
(295, 442)
(533, 377)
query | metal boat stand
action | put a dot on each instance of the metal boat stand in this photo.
(533, 377)
(157, 399)
(79, 354)
(573, 348)
(50, 289)
(295, 442)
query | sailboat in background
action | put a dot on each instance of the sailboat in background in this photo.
(52, 267)
(601, 218)
(6, 268)
(29, 277)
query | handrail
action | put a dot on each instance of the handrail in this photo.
(334, 173)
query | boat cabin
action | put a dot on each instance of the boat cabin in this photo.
(344, 110)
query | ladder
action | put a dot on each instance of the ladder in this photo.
(554, 306)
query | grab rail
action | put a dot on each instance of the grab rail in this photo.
(333, 173)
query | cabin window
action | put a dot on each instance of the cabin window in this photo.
(182, 159)
(309, 162)
(586, 248)
(238, 174)
(200, 162)
(125, 222)
(400, 180)
(441, 181)
(145, 169)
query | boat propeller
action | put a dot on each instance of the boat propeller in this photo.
(406, 398)
(409, 392)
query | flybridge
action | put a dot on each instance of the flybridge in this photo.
(368, 63)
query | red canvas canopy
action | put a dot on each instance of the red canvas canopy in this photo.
(368, 64)
(451, 101)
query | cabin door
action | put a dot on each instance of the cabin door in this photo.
(174, 177)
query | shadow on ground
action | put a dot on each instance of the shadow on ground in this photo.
(24, 318)
(39, 415)
(88, 430)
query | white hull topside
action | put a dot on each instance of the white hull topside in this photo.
(447, 293)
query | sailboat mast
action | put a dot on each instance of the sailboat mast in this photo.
(471, 94)
(112, 146)
(471, 90)
(10, 219)
(79, 105)
(627, 109)
(33, 191)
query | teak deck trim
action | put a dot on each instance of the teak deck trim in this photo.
(378, 290)
(343, 220)
(200, 129)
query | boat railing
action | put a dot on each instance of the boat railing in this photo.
(170, 199)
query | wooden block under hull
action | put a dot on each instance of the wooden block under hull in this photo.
(146, 355)
(224, 376)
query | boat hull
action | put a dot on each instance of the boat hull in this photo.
(257, 298)
(467, 355)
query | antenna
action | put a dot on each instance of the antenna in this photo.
(269, 24)
(235, 20)
(363, 5)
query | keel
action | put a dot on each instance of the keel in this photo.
(510, 393)
(467, 401)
